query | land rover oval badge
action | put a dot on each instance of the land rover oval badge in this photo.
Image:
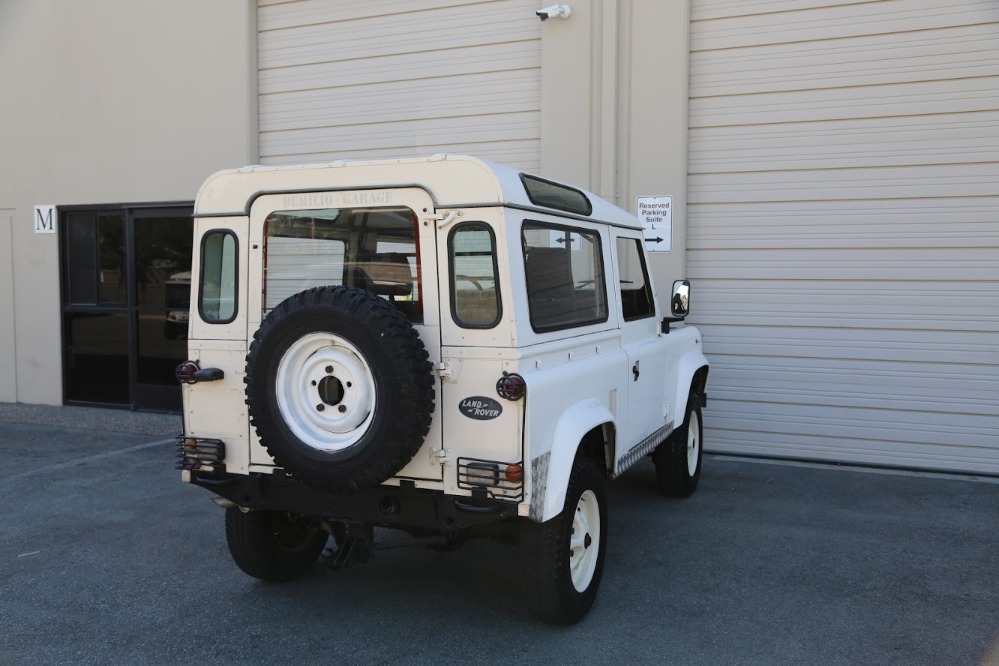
(480, 408)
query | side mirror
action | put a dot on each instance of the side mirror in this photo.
(679, 304)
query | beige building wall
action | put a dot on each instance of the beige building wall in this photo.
(121, 101)
(7, 347)
(614, 108)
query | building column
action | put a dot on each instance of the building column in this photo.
(614, 107)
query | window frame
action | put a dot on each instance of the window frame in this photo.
(551, 226)
(201, 276)
(451, 275)
(639, 245)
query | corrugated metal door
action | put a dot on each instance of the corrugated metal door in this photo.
(367, 79)
(843, 228)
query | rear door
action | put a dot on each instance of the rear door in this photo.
(372, 239)
(217, 335)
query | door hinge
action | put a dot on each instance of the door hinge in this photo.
(443, 219)
(440, 456)
(446, 372)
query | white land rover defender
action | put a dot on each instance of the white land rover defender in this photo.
(443, 346)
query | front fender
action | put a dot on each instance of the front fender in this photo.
(688, 366)
(551, 480)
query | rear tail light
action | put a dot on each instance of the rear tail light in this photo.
(189, 372)
(198, 454)
(499, 480)
(185, 372)
(511, 386)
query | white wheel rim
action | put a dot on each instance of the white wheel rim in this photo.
(325, 425)
(693, 443)
(584, 544)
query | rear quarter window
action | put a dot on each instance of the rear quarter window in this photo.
(475, 296)
(217, 299)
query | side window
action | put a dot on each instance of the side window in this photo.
(475, 299)
(565, 276)
(367, 248)
(217, 303)
(636, 294)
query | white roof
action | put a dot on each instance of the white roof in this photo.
(452, 181)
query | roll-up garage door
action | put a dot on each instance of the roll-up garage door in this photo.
(378, 78)
(843, 228)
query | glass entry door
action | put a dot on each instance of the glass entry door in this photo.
(162, 300)
(126, 276)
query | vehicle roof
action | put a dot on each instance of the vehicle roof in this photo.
(453, 181)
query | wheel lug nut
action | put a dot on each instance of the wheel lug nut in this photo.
(313, 382)
(329, 369)
(320, 407)
(342, 409)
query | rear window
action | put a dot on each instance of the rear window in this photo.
(565, 276)
(368, 248)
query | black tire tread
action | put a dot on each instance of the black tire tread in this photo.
(255, 551)
(672, 476)
(405, 354)
(545, 552)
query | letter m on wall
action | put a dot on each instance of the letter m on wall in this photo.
(45, 219)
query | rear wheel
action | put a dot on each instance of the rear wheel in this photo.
(273, 545)
(678, 459)
(565, 556)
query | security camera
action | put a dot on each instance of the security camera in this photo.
(555, 11)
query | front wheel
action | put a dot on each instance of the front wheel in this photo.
(565, 556)
(273, 545)
(678, 459)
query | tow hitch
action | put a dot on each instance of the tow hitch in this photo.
(355, 546)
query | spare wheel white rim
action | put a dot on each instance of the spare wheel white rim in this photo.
(584, 544)
(693, 443)
(325, 392)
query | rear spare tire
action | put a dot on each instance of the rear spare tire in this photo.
(339, 387)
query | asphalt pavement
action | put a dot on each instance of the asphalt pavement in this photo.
(106, 557)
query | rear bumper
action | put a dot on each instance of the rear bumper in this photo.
(402, 507)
